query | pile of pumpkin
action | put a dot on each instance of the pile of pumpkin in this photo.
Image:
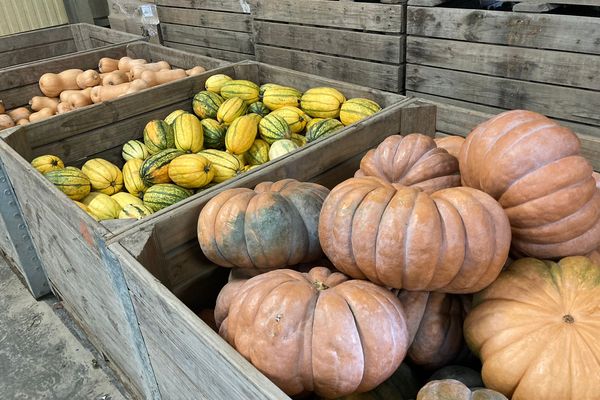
(74, 88)
(230, 132)
(421, 227)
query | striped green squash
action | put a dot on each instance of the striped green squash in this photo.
(300, 140)
(214, 134)
(282, 96)
(263, 88)
(188, 133)
(259, 108)
(206, 104)
(324, 128)
(163, 195)
(71, 181)
(225, 165)
(231, 109)
(281, 148)
(134, 149)
(158, 135)
(273, 127)
(169, 119)
(156, 167)
(322, 102)
(136, 211)
(258, 153)
(356, 109)
(295, 117)
(245, 90)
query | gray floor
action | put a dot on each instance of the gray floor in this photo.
(43, 355)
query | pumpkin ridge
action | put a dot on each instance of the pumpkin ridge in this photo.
(295, 210)
(244, 245)
(390, 197)
(214, 227)
(360, 336)
(589, 348)
(246, 224)
(407, 232)
(310, 313)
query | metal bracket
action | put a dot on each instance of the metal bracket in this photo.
(27, 262)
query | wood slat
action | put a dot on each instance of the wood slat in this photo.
(536, 6)
(241, 6)
(34, 53)
(206, 19)
(215, 53)
(240, 42)
(544, 31)
(368, 46)
(380, 76)
(35, 38)
(334, 14)
(556, 101)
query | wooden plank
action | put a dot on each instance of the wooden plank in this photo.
(368, 46)
(334, 14)
(215, 53)
(556, 101)
(177, 58)
(426, 3)
(105, 35)
(35, 38)
(242, 6)
(545, 66)
(545, 31)
(34, 53)
(380, 76)
(240, 42)
(206, 19)
(537, 6)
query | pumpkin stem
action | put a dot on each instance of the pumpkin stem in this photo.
(320, 285)
(568, 319)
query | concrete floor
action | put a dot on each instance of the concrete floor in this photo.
(43, 355)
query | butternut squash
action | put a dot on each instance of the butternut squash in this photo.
(40, 115)
(6, 121)
(197, 70)
(107, 64)
(66, 95)
(115, 78)
(103, 93)
(154, 78)
(78, 100)
(136, 71)
(63, 107)
(39, 102)
(89, 78)
(19, 113)
(53, 84)
(136, 86)
(125, 63)
(23, 121)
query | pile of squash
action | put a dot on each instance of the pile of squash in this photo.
(74, 88)
(230, 131)
(330, 291)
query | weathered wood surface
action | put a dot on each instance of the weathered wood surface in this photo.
(240, 42)
(209, 52)
(545, 31)
(206, 19)
(537, 6)
(236, 6)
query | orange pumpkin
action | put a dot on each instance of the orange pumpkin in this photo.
(455, 240)
(412, 160)
(314, 332)
(533, 167)
(452, 144)
(450, 389)
(536, 330)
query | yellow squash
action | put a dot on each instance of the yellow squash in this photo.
(47, 163)
(322, 102)
(124, 199)
(102, 206)
(241, 134)
(188, 133)
(216, 82)
(356, 109)
(191, 171)
(281, 96)
(231, 109)
(105, 177)
(132, 179)
(225, 165)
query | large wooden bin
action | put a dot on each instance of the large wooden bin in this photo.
(72, 246)
(27, 47)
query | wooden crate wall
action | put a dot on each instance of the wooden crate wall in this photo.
(220, 29)
(355, 42)
(490, 61)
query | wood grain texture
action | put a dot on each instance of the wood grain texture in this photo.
(545, 31)
(214, 53)
(217, 5)
(546, 66)
(240, 42)
(206, 19)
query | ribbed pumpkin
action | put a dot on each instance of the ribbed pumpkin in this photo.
(169, 119)
(411, 160)
(214, 134)
(258, 108)
(206, 104)
(216, 82)
(135, 211)
(71, 181)
(450, 389)
(47, 163)
(231, 109)
(105, 177)
(318, 331)
(134, 149)
(191, 171)
(357, 109)
(241, 134)
(535, 169)
(258, 153)
(163, 195)
(452, 144)
(245, 90)
(225, 165)
(295, 118)
(156, 168)
(536, 330)
(132, 178)
(188, 133)
(281, 148)
(300, 140)
(322, 102)
(281, 96)
(323, 129)
(102, 206)
(455, 240)
(124, 199)
(272, 226)
(273, 127)
(263, 88)
(158, 136)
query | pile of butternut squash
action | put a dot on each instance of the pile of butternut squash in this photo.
(74, 88)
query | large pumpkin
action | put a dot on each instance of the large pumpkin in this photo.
(452, 144)
(450, 389)
(412, 160)
(536, 330)
(315, 332)
(435, 323)
(273, 226)
(533, 167)
(455, 240)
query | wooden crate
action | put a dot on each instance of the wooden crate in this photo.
(491, 61)
(220, 29)
(351, 41)
(23, 48)
(72, 246)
